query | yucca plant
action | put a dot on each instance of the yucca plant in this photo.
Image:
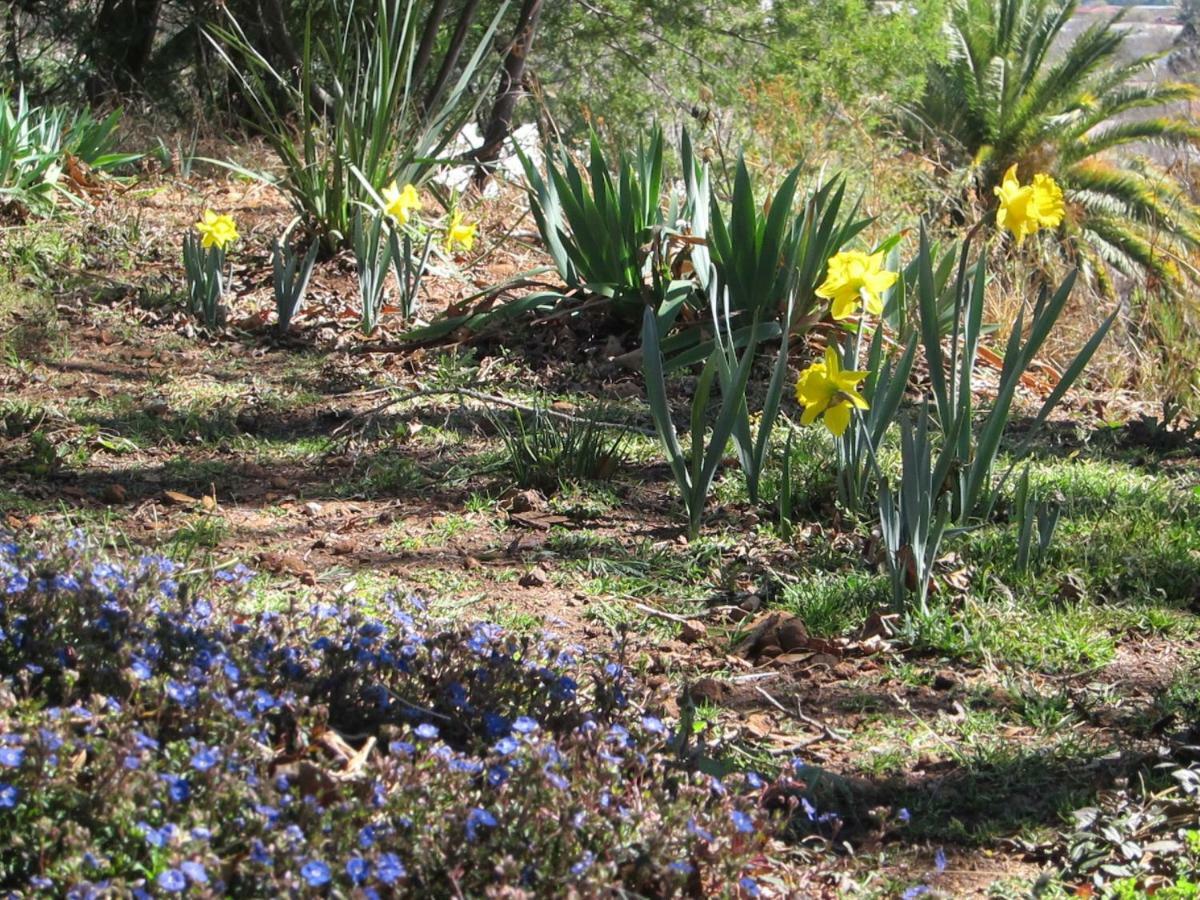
(366, 107)
(766, 253)
(35, 142)
(601, 229)
(1014, 91)
(30, 153)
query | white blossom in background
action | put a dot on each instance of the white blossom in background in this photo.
(507, 167)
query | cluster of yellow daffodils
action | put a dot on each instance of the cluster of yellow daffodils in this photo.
(854, 281)
(826, 389)
(1025, 209)
(216, 230)
(400, 204)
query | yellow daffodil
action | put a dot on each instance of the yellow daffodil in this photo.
(825, 387)
(459, 232)
(216, 230)
(854, 278)
(1026, 209)
(400, 203)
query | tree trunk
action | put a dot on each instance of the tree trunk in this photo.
(453, 51)
(499, 125)
(125, 31)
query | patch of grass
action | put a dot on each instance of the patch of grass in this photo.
(546, 452)
(30, 327)
(585, 501)
(202, 533)
(1045, 637)
(639, 570)
(832, 604)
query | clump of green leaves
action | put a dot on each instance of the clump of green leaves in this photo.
(290, 275)
(599, 228)
(379, 247)
(204, 269)
(952, 377)
(35, 142)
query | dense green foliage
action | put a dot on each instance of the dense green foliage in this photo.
(1008, 97)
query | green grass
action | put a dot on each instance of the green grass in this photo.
(832, 604)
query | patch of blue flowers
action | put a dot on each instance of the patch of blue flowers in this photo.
(157, 743)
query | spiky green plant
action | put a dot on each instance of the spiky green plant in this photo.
(1015, 90)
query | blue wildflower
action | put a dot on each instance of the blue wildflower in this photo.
(12, 756)
(742, 822)
(8, 796)
(177, 788)
(697, 831)
(357, 869)
(181, 693)
(653, 725)
(904, 815)
(555, 779)
(749, 886)
(426, 731)
(154, 837)
(315, 872)
(506, 746)
(478, 817)
(195, 872)
(939, 860)
(682, 867)
(914, 892)
(205, 758)
(141, 669)
(171, 880)
(259, 854)
(389, 869)
(525, 725)
(585, 863)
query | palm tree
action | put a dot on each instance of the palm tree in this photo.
(1014, 90)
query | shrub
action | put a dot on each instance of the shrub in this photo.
(152, 738)
(36, 142)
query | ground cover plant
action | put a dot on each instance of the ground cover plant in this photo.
(152, 744)
(701, 501)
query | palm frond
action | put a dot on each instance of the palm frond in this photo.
(1162, 131)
